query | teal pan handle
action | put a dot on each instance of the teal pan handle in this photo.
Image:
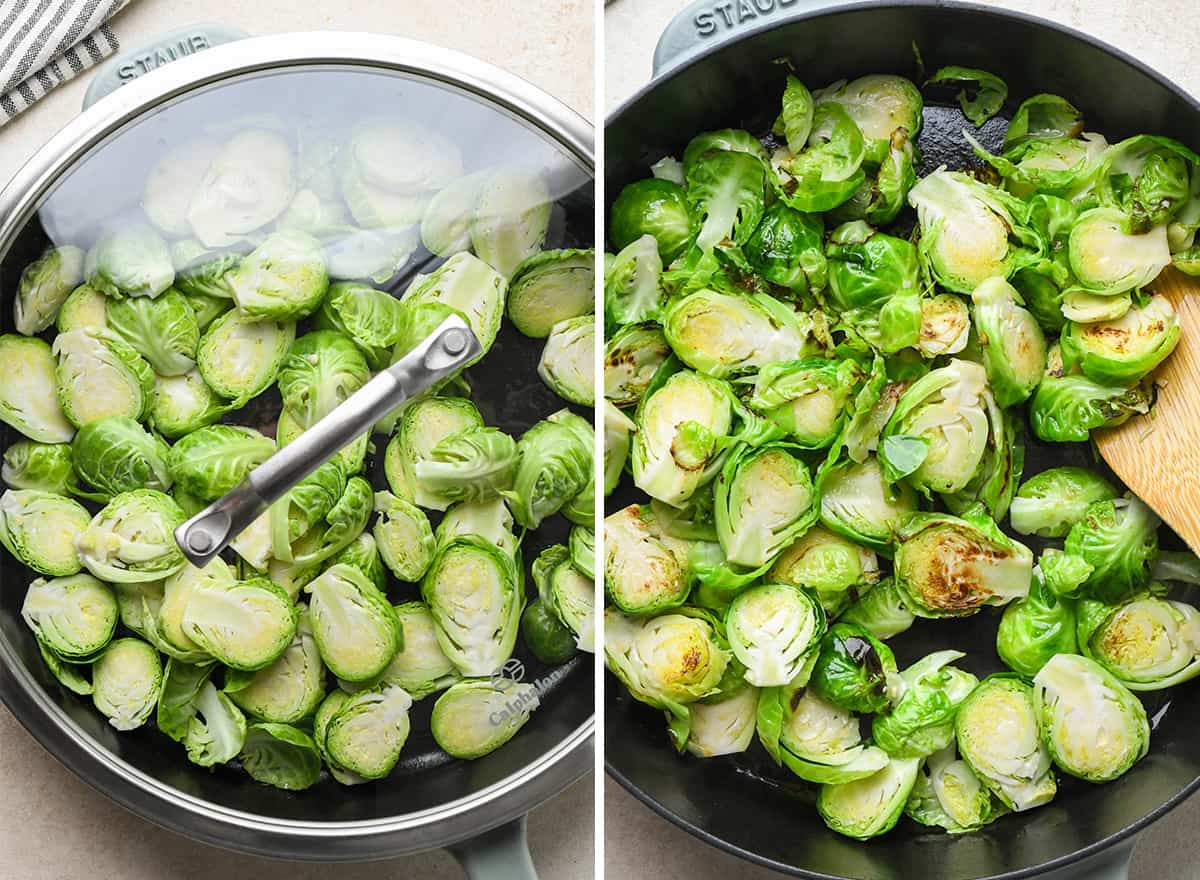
(154, 53)
(708, 23)
(499, 854)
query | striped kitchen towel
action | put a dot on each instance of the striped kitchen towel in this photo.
(44, 43)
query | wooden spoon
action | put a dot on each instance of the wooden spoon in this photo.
(1158, 455)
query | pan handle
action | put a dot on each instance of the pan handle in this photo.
(708, 23)
(499, 854)
(1111, 864)
(154, 53)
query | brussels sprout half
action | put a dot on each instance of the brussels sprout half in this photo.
(213, 460)
(116, 454)
(764, 500)
(952, 567)
(132, 538)
(84, 309)
(164, 330)
(126, 680)
(1016, 766)
(420, 666)
(130, 261)
(550, 287)
(859, 504)
(871, 806)
(922, 720)
(403, 536)
(248, 183)
(239, 357)
(292, 687)
(1093, 727)
(244, 624)
(1148, 643)
(816, 740)
(836, 569)
(883, 611)
(74, 617)
(281, 755)
(44, 286)
(554, 467)
(371, 318)
(1118, 539)
(367, 732)
(774, 630)
(47, 467)
(424, 424)
(1122, 351)
(29, 397)
(510, 218)
(568, 593)
(633, 285)
(490, 520)
(643, 571)
(949, 795)
(567, 361)
(632, 356)
(322, 369)
(183, 404)
(1014, 349)
(1051, 502)
(724, 726)
(99, 375)
(1067, 406)
(807, 398)
(1108, 260)
(355, 628)
(474, 718)
(40, 529)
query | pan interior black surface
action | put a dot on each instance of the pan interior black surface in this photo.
(745, 803)
(108, 184)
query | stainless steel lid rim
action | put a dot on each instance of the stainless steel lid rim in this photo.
(140, 792)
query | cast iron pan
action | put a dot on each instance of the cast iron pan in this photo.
(744, 803)
(505, 387)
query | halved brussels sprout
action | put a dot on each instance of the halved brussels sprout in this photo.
(29, 396)
(734, 140)
(652, 207)
(725, 194)
(945, 325)
(617, 440)
(211, 461)
(1067, 406)
(239, 357)
(721, 334)
(321, 533)
(40, 529)
(74, 617)
(322, 369)
(939, 433)
(1119, 540)
(403, 536)
(566, 364)
(216, 728)
(971, 231)
(724, 726)
(282, 279)
(133, 538)
(951, 567)
(511, 218)
(126, 680)
(47, 467)
(84, 309)
(116, 454)
(292, 687)
(568, 593)
(490, 520)
(922, 721)
(44, 286)
(816, 740)
(1108, 260)
(244, 624)
(1035, 628)
(474, 464)
(474, 718)
(475, 592)
(855, 671)
(370, 317)
(871, 806)
(361, 553)
(679, 423)
(420, 666)
(164, 624)
(367, 732)
(1093, 727)
(321, 719)
(130, 261)
(878, 104)
(786, 249)
(355, 627)
(173, 182)
(774, 630)
(633, 285)
(1083, 307)
(1147, 177)
(1014, 349)
(829, 170)
(1049, 503)
(1148, 643)
(424, 424)
(582, 545)
(882, 612)
(631, 358)
(667, 661)
(1123, 351)
(164, 331)
(446, 223)
(859, 504)
(836, 569)
(1015, 766)
(248, 183)
(550, 287)
(281, 755)
(873, 286)
(183, 404)
(764, 500)
(554, 467)
(99, 375)
(642, 573)
(807, 398)
(949, 795)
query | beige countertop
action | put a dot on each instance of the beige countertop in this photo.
(54, 827)
(640, 844)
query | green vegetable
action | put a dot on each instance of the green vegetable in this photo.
(45, 285)
(990, 91)
(854, 670)
(1035, 628)
(1050, 503)
(126, 679)
(652, 207)
(164, 330)
(115, 454)
(474, 718)
(39, 529)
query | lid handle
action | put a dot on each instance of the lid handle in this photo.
(154, 53)
(449, 347)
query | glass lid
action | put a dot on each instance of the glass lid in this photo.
(207, 282)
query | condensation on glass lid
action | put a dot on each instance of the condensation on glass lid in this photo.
(385, 174)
